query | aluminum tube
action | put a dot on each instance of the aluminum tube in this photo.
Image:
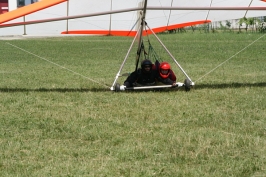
(148, 87)
(123, 63)
(205, 8)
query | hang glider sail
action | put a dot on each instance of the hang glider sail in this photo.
(119, 17)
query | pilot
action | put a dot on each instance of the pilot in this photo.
(165, 74)
(144, 76)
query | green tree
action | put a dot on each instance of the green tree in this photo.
(251, 22)
(228, 24)
(241, 22)
(262, 27)
(193, 27)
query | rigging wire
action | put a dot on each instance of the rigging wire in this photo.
(229, 58)
(56, 64)
(164, 12)
(248, 6)
(133, 26)
(209, 11)
(170, 14)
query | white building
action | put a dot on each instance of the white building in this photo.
(9, 5)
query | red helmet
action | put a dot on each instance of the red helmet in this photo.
(164, 70)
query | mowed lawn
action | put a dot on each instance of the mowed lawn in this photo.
(59, 117)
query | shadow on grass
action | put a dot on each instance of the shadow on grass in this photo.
(196, 87)
(229, 85)
(60, 90)
(206, 86)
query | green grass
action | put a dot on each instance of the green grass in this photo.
(58, 117)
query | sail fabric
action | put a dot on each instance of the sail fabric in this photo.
(128, 20)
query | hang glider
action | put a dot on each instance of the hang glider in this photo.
(126, 18)
(117, 17)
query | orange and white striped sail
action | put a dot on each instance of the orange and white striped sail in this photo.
(118, 17)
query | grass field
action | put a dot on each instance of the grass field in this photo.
(59, 118)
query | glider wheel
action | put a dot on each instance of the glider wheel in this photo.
(117, 87)
(187, 84)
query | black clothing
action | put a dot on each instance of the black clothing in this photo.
(141, 77)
